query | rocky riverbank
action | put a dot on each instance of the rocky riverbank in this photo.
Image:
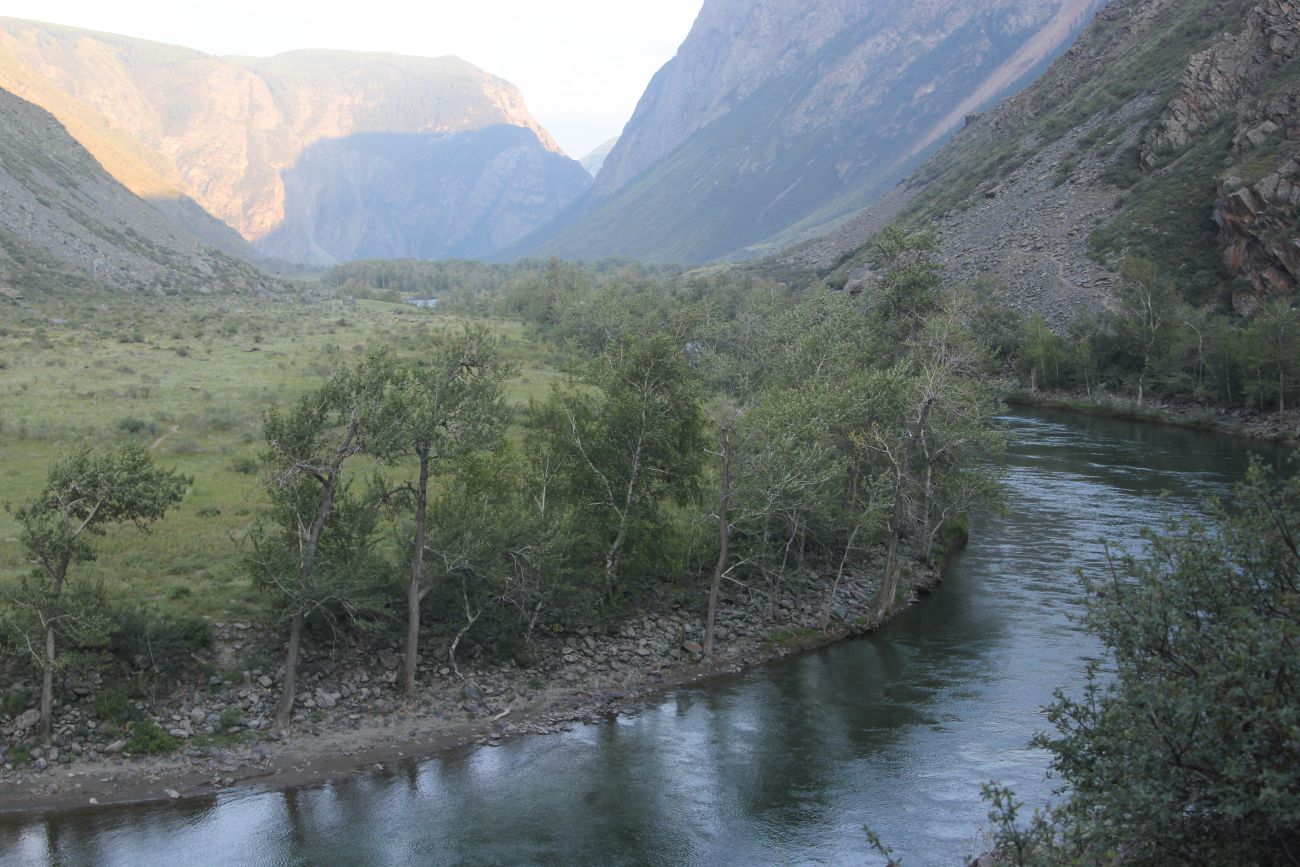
(1271, 425)
(350, 716)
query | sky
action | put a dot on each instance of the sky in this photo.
(581, 64)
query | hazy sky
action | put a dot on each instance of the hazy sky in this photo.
(582, 64)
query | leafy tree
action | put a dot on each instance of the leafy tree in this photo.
(311, 509)
(625, 442)
(435, 411)
(1150, 300)
(1274, 336)
(1189, 754)
(1043, 353)
(908, 288)
(84, 494)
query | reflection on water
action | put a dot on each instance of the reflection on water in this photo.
(784, 765)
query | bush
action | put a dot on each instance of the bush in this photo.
(15, 701)
(148, 739)
(244, 466)
(230, 717)
(1190, 753)
(159, 643)
(114, 705)
(134, 426)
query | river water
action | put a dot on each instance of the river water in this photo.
(784, 765)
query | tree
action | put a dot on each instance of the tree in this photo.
(1043, 352)
(1150, 300)
(307, 449)
(1274, 335)
(908, 288)
(84, 494)
(1188, 754)
(726, 426)
(630, 438)
(436, 411)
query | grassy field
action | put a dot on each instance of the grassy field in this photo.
(191, 379)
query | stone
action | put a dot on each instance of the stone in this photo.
(172, 793)
(198, 716)
(265, 681)
(27, 720)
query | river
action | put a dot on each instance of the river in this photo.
(783, 765)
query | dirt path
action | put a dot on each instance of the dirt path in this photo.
(157, 444)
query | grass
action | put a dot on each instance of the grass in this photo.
(75, 370)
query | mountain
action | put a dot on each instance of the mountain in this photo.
(433, 196)
(778, 118)
(1170, 130)
(241, 136)
(595, 161)
(65, 223)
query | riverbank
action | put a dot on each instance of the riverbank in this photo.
(1272, 426)
(349, 716)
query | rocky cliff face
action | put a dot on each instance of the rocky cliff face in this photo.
(1169, 130)
(66, 224)
(227, 131)
(778, 117)
(434, 196)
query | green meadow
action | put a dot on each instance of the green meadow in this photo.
(191, 379)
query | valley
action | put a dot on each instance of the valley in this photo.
(731, 494)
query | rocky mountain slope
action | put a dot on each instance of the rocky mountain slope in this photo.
(777, 118)
(228, 132)
(1170, 130)
(65, 223)
(433, 196)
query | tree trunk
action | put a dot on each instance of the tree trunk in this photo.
(47, 687)
(839, 576)
(616, 549)
(284, 712)
(413, 589)
(889, 581)
(47, 669)
(927, 547)
(724, 536)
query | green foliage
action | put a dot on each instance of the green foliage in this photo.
(158, 643)
(15, 701)
(1188, 754)
(229, 718)
(617, 450)
(114, 705)
(149, 739)
(1154, 342)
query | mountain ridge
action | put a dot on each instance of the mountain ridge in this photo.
(171, 122)
(775, 113)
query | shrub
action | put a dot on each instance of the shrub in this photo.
(148, 739)
(15, 701)
(114, 705)
(134, 426)
(1188, 754)
(230, 717)
(160, 643)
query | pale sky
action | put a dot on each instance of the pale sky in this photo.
(582, 64)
